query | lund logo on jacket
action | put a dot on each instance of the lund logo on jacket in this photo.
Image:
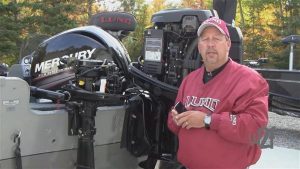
(207, 102)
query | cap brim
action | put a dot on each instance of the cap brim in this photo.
(205, 25)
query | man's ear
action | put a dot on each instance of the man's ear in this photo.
(228, 44)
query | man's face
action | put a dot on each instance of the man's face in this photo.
(213, 47)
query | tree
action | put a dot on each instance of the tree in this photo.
(157, 5)
(254, 30)
(134, 41)
(195, 4)
(83, 11)
(51, 16)
(9, 31)
(129, 5)
(241, 14)
(264, 25)
(23, 18)
(285, 23)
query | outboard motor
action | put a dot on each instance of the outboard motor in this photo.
(90, 66)
(51, 65)
(52, 61)
(170, 46)
(3, 69)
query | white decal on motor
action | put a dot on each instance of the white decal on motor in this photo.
(48, 64)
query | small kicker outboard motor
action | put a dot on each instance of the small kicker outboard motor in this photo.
(96, 64)
(52, 61)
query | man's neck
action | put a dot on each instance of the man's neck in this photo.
(207, 76)
(212, 67)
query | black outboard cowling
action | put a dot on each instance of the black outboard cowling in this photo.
(177, 15)
(48, 69)
(3, 69)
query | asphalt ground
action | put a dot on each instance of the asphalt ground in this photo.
(286, 130)
(285, 153)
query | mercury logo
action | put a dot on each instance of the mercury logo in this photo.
(48, 64)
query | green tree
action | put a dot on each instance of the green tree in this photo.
(22, 19)
(255, 33)
(286, 22)
(84, 9)
(264, 23)
(134, 42)
(50, 16)
(129, 5)
(10, 30)
(196, 4)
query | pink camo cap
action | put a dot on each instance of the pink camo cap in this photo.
(216, 22)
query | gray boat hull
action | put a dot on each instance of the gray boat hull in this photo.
(44, 134)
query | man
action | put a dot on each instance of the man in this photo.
(227, 107)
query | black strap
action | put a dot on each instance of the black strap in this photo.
(17, 140)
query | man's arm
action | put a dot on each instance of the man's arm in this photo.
(249, 119)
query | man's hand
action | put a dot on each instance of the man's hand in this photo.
(189, 119)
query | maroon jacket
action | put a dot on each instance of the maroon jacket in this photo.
(237, 98)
